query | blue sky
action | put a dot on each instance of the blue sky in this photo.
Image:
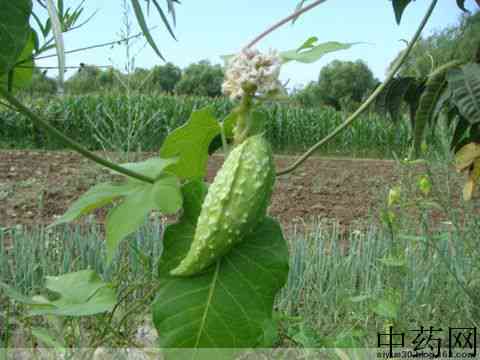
(223, 27)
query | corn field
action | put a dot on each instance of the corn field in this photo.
(135, 122)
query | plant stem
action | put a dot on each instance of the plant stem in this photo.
(91, 47)
(240, 131)
(275, 26)
(225, 146)
(370, 99)
(70, 143)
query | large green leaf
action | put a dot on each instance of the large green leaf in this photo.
(396, 94)
(434, 88)
(14, 31)
(21, 74)
(412, 98)
(464, 85)
(16, 295)
(98, 196)
(308, 52)
(79, 293)
(227, 306)
(393, 95)
(152, 167)
(164, 195)
(399, 7)
(461, 128)
(194, 193)
(190, 143)
(229, 123)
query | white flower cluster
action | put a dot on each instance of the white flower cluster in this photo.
(249, 70)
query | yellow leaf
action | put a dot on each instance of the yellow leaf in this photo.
(473, 178)
(468, 190)
(466, 156)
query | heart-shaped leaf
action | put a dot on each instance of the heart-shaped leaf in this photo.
(434, 88)
(152, 167)
(228, 305)
(164, 195)
(23, 70)
(190, 143)
(98, 196)
(80, 293)
(14, 31)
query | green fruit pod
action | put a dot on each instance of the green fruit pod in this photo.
(236, 203)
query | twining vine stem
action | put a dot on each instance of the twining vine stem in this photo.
(370, 99)
(275, 26)
(71, 143)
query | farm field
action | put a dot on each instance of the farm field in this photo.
(212, 200)
(348, 193)
(36, 186)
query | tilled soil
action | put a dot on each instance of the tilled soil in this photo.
(36, 186)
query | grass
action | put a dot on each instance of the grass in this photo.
(32, 254)
(346, 299)
(340, 292)
(28, 255)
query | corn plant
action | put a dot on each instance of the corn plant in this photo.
(104, 121)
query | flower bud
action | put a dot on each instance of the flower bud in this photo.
(394, 196)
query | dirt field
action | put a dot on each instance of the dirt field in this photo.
(37, 185)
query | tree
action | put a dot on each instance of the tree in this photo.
(165, 77)
(109, 78)
(41, 84)
(310, 96)
(84, 81)
(202, 79)
(458, 42)
(346, 82)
